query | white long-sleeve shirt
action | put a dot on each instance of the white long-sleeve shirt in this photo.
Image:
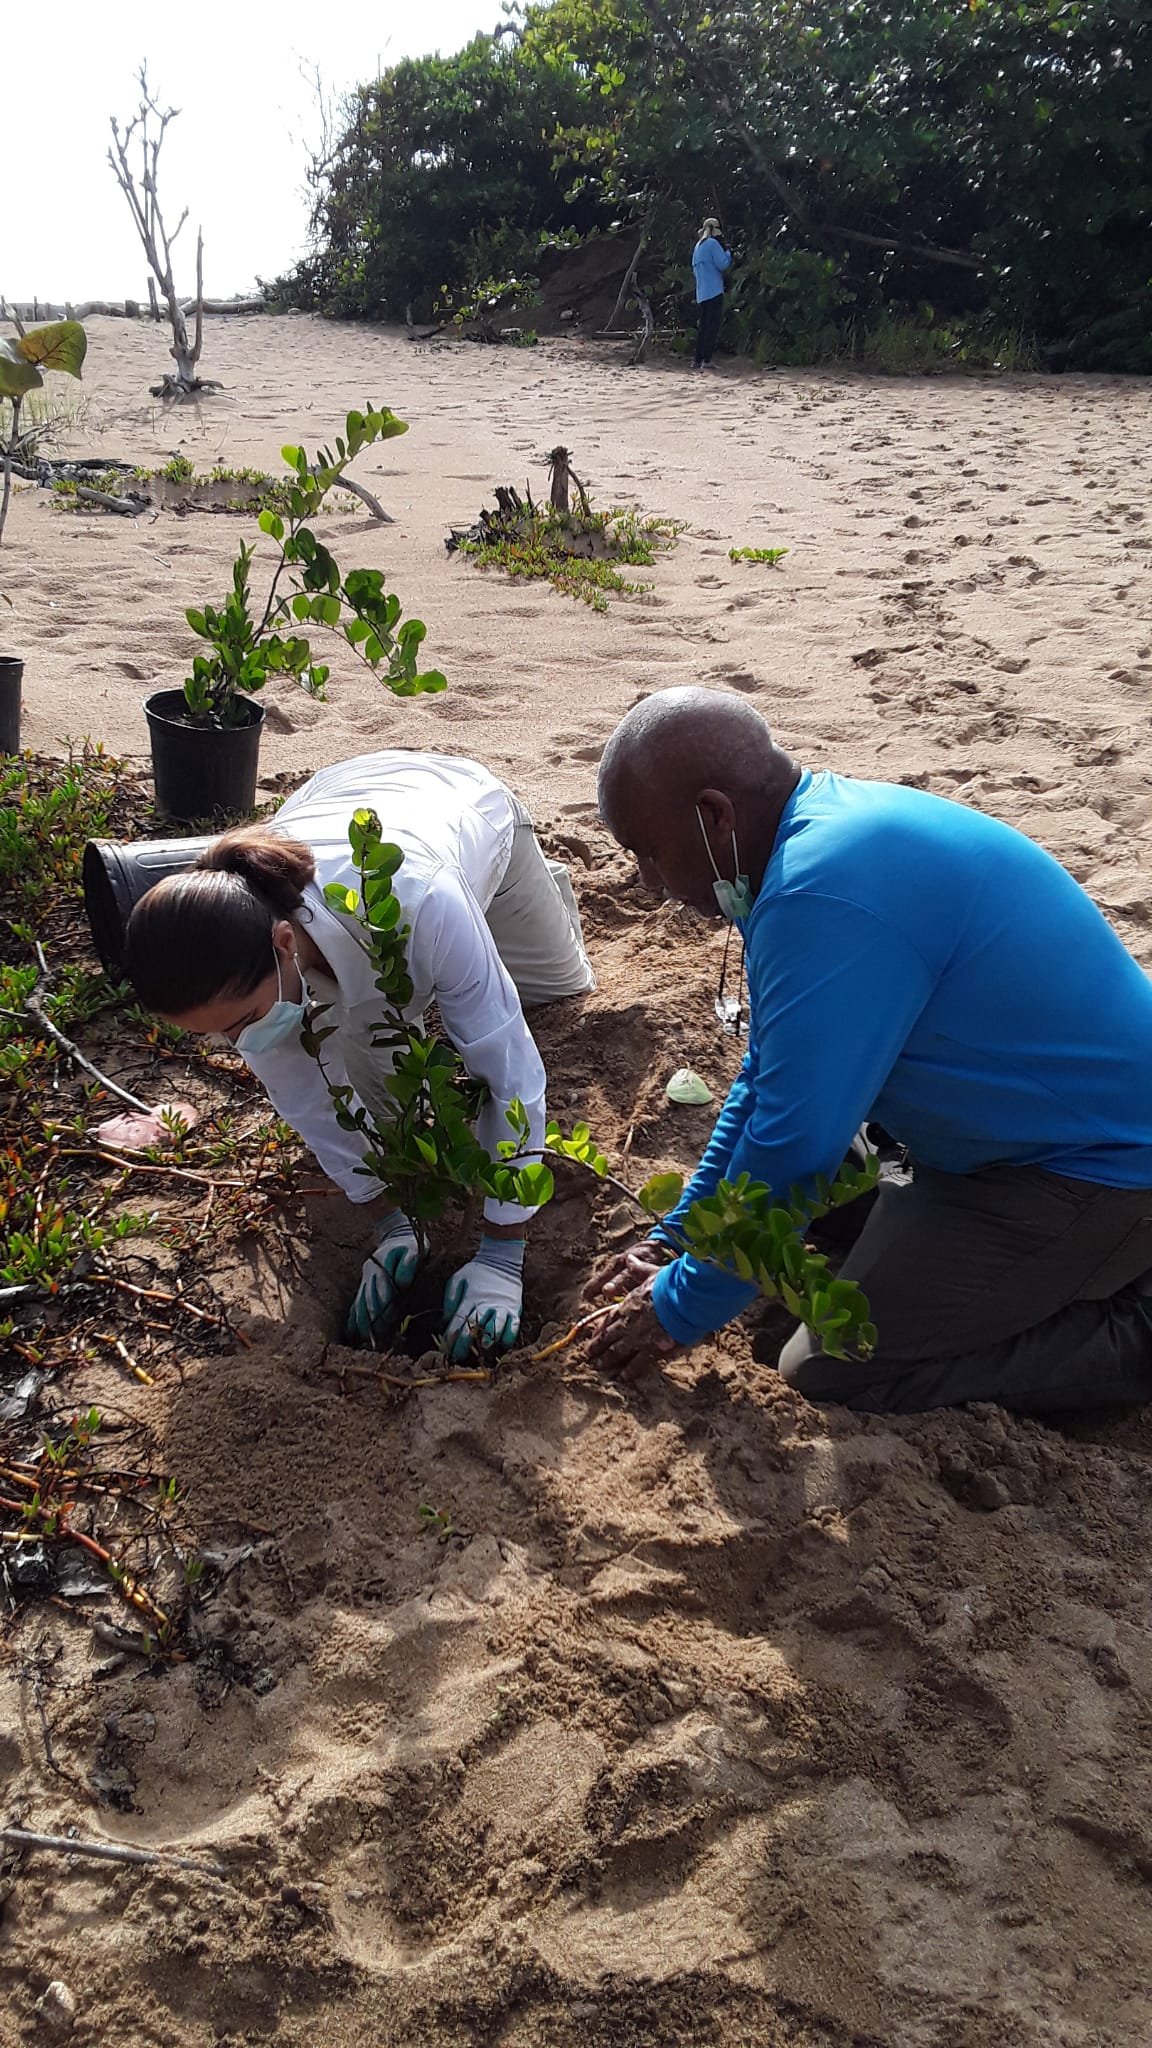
(454, 824)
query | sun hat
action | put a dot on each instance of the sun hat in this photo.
(709, 225)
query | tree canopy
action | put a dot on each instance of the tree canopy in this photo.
(982, 165)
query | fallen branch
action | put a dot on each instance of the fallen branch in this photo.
(173, 1301)
(39, 1288)
(366, 498)
(130, 507)
(225, 305)
(391, 1379)
(33, 1012)
(105, 1852)
(130, 1165)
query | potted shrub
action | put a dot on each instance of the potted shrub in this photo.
(206, 737)
(23, 359)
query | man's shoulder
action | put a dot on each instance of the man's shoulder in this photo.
(877, 844)
(847, 807)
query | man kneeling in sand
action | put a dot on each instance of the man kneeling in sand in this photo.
(917, 964)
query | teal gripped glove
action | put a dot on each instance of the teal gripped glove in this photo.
(482, 1302)
(391, 1267)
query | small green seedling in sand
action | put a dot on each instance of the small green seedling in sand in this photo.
(437, 1522)
(769, 555)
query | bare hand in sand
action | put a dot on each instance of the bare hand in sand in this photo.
(634, 1335)
(630, 1269)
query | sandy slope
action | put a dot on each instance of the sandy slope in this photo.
(716, 1720)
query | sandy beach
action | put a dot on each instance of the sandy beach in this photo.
(702, 1718)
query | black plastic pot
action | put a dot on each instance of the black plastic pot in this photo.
(199, 771)
(116, 877)
(11, 678)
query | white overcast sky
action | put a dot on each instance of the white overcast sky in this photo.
(237, 155)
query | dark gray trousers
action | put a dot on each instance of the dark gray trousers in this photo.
(1011, 1284)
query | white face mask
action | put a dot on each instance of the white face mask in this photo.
(280, 1023)
(733, 898)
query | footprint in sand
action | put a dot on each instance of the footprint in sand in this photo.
(735, 678)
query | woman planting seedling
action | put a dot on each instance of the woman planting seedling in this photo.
(269, 923)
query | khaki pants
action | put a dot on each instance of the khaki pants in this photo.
(536, 925)
(1011, 1284)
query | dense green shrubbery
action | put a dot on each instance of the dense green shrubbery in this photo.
(443, 177)
(947, 180)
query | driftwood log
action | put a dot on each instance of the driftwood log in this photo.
(130, 506)
(36, 310)
(640, 338)
(189, 495)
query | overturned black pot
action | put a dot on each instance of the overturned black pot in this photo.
(115, 877)
(11, 679)
(202, 771)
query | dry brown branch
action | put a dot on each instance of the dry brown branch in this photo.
(33, 1013)
(478, 1376)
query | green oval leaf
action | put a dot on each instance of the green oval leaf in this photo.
(16, 375)
(661, 1193)
(61, 346)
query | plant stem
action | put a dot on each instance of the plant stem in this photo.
(569, 1337)
(129, 1165)
(9, 453)
(125, 1584)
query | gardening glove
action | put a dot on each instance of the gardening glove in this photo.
(482, 1301)
(390, 1267)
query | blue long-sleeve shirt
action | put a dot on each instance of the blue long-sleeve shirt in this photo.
(709, 262)
(917, 963)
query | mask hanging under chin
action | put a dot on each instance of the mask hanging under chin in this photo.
(730, 1009)
(734, 900)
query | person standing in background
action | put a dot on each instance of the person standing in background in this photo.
(710, 259)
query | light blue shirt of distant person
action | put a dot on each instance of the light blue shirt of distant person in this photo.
(917, 964)
(709, 262)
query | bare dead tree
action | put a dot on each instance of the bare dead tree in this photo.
(145, 133)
